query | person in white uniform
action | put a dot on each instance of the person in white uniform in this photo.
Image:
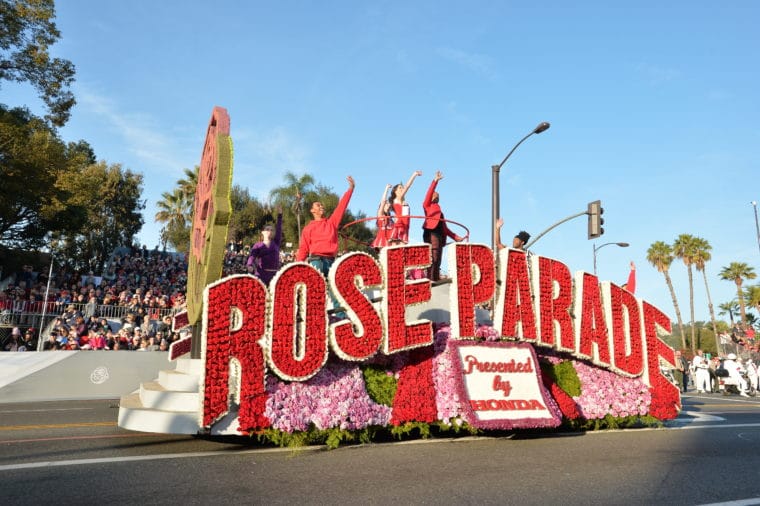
(734, 372)
(701, 372)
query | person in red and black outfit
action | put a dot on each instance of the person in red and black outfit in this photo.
(319, 239)
(434, 230)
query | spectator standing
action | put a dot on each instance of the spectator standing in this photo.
(752, 373)
(701, 372)
(680, 372)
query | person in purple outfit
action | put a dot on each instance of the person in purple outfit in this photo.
(264, 258)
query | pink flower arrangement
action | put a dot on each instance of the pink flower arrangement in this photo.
(335, 397)
(605, 393)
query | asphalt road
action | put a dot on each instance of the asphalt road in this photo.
(73, 453)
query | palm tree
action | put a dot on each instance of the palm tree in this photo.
(753, 297)
(173, 209)
(684, 247)
(729, 308)
(175, 212)
(660, 255)
(702, 255)
(188, 183)
(738, 272)
(290, 195)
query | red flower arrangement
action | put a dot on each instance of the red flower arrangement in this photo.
(467, 292)
(594, 340)
(666, 398)
(514, 311)
(400, 293)
(566, 404)
(628, 358)
(555, 298)
(415, 393)
(306, 358)
(344, 275)
(234, 335)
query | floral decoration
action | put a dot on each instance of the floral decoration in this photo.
(299, 288)
(334, 398)
(514, 311)
(225, 339)
(554, 286)
(359, 337)
(623, 309)
(466, 292)
(666, 398)
(399, 294)
(415, 394)
(592, 328)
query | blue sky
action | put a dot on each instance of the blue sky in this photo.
(653, 108)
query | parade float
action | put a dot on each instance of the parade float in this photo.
(554, 350)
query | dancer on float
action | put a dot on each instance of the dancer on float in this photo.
(434, 229)
(518, 242)
(319, 238)
(264, 258)
(400, 232)
(384, 222)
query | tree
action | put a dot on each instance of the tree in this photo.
(729, 308)
(27, 31)
(753, 297)
(738, 272)
(187, 185)
(175, 212)
(684, 247)
(249, 216)
(33, 159)
(111, 196)
(702, 255)
(660, 255)
(291, 196)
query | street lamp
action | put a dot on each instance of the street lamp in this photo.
(621, 244)
(543, 126)
(757, 227)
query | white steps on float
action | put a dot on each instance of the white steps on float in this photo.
(169, 405)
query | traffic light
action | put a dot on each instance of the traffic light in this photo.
(595, 220)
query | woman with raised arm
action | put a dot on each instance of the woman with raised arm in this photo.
(434, 229)
(384, 221)
(400, 232)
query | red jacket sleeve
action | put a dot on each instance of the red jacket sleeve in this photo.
(631, 284)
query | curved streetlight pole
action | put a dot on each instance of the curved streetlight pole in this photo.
(621, 244)
(543, 126)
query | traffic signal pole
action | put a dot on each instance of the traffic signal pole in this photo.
(539, 236)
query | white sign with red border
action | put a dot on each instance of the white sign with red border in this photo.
(501, 386)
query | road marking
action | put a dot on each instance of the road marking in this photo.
(44, 410)
(74, 438)
(165, 456)
(698, 416)
(59, 426)
(741, 502)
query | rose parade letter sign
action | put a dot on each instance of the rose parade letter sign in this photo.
(501, 386)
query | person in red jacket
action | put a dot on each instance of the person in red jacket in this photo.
(319, 239)
(434, 229)
(631, 284)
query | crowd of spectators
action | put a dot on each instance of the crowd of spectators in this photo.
(128, 307)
